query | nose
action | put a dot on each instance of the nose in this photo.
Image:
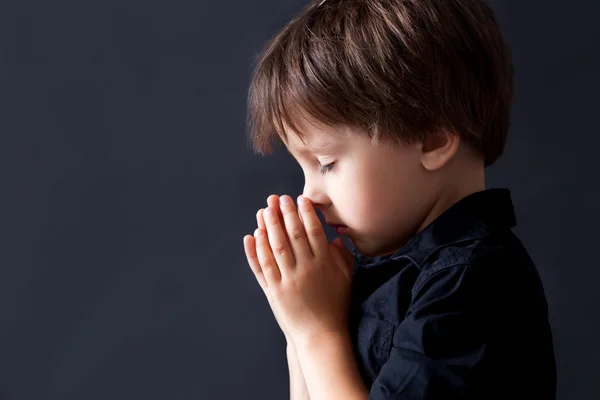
(315, 194)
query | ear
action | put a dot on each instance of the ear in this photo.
(438, 150)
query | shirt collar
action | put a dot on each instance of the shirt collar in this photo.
(474, 216)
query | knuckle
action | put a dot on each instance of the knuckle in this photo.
(260, 246)
(262, 258)
(268, 266)
(279, 249)
(266, 263)
(296, 234)
(314, 230)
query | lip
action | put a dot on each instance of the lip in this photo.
(332, 224)
(342, 230)
(339, 229)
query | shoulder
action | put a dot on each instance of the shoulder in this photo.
(479, 267)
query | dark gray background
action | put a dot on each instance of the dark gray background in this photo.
(127, 186)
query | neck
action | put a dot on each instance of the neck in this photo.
(457, 183)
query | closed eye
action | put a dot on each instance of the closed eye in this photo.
(326, 168)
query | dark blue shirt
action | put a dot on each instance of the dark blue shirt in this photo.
(458, 313)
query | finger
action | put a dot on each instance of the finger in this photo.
(266, 260)
(250, 249)
(273, 201)
(348, 256)
(280, 246)
(313, 227)
(295, 230)
(250, 246)
(339, 261)
(301, 220)
(260, 222)
(260, 219)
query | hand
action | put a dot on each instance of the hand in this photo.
(309, 280)
(250, 243)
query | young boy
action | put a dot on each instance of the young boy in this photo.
(393, 108)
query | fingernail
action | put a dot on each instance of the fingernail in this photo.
(285, 200)
(269, 212)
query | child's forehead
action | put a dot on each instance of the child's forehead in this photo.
(315, 139)
(309, 147)
(313, 132)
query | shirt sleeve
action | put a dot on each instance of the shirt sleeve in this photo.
(438, 348)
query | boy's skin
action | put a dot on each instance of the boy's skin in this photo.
(384, 194)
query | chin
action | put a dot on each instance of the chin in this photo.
(374, 251)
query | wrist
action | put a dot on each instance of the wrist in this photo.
(290, 348)
(289, 341)
(310, 342)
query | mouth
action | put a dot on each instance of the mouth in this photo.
(339, 229)
(334, 225)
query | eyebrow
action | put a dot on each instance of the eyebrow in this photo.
(314, 149)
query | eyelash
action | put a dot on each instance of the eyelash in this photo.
(326, 168)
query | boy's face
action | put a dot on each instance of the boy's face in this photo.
(382, 193)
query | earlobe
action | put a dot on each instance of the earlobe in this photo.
(438, 150)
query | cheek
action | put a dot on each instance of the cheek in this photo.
(382, 201)
(360, 203)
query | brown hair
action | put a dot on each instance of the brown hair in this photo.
(399, 69)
